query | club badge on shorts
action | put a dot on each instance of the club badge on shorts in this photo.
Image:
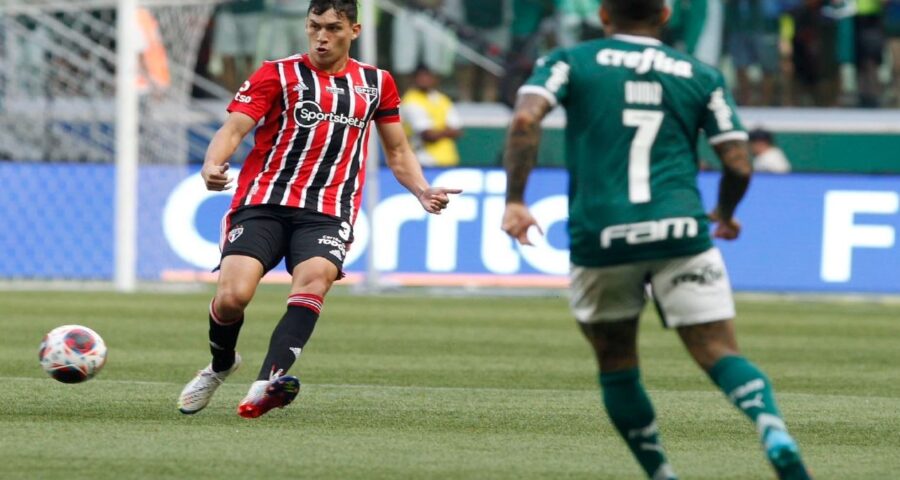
(235, 233)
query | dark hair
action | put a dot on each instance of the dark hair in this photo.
(634, 12)
(761, 135)
(345, 8)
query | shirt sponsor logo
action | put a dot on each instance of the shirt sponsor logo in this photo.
(335, 90)
(308, 114)
(245, 86)
(643, 62)
(243, 98)
(649, 232)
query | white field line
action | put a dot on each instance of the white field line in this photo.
(363, 386)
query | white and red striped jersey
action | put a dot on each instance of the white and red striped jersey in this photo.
(311, 147)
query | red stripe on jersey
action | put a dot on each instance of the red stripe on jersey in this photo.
(301, 169)
(311, 158)
(359, 107)
(289, 130)
(266, 172)
(265, 137)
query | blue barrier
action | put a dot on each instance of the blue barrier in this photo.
(829, 233)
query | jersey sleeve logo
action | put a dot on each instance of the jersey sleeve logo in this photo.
(240, 97)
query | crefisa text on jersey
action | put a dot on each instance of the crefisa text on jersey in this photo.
(643, 62)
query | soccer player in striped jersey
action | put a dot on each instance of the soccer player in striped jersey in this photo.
(298, 194)
(635, 109)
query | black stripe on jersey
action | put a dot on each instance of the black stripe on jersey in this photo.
(349, 188)
(335, 145)
(371, 77)
(298, 149)
(387, 113)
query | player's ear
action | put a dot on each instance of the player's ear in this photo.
(604, 15)
(665, 15)
(355, 29)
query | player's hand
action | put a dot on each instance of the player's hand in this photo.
(435, 199)
(216, 177)
(725, 229)
(517, 220)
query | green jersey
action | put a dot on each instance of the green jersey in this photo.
(635, 109)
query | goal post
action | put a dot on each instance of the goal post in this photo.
(127, 131)
(97, 83)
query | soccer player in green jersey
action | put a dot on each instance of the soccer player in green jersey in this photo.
(635, 109)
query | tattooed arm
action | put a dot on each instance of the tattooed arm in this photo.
(519, 158)
(736, 172)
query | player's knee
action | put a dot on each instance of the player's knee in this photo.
(230, 304)
(314, 276)
(315, 285)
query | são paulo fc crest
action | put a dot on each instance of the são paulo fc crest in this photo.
(369, 92)
(235, 233)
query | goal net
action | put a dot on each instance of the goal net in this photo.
(58, 78)
(58, 118)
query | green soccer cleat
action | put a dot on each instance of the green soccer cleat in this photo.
(784, 455)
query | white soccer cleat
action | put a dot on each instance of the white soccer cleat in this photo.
(198, 392)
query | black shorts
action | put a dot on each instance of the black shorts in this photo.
(269, 233)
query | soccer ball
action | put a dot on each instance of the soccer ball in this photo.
(72, 353)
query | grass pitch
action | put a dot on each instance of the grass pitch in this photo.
(434, 388)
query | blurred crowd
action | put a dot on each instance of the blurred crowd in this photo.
(775, 52)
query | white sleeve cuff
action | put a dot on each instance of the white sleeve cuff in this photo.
(537, 90)
(728, 136)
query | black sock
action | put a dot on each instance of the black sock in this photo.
(291, 334)
(222, 340)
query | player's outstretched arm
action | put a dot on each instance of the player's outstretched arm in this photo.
(519, 158)
(406, 169)
(222, 147)
(736, 173)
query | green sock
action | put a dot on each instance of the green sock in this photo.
(631, 412)
(749, 390)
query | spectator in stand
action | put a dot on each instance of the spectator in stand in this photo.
(489, 23)
(153, 62)
(696, 28)
(431, 121)
(814, 55)
(579, 20)
(572, 21)
(418, 38)
(869, 43)
(767, 157)
(892, 29)
(282, 33)
(236, 36)
(752, 37)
